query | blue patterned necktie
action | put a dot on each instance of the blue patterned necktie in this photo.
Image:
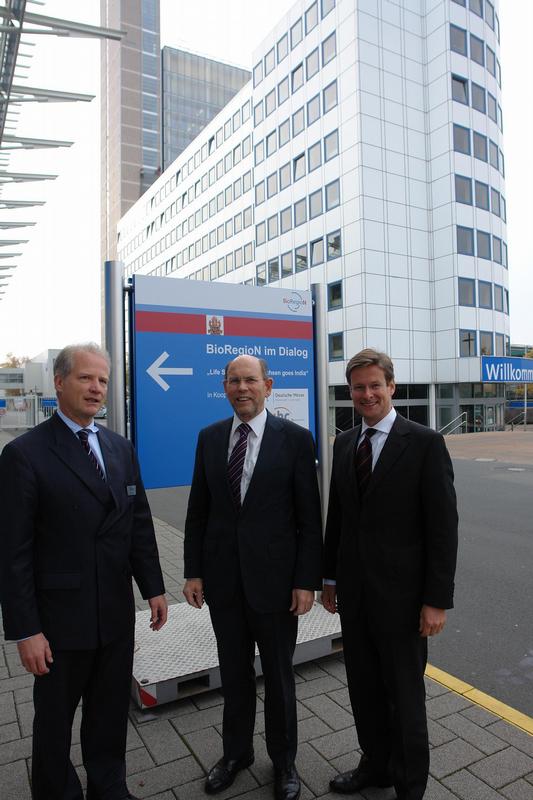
(236, 462)
(83, 436)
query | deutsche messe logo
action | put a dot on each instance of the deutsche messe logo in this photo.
(295, 301)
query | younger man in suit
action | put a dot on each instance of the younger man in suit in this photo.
(390, 552)
(253, 545)
(76, 526)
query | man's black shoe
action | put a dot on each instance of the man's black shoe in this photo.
(356, 779)
(224, 773)
(287, 784)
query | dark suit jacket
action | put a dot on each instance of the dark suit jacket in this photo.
(274, 542)
(71, 542)
(395, 549)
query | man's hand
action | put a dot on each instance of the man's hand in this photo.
(329, 597)
(432, 621)
(35, 654)
(302, 601)
(194, 592)
(159, 608)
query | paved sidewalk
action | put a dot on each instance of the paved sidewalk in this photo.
(475, 755)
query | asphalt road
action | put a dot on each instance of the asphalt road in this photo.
(488, 641)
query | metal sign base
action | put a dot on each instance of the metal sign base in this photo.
(181, 660)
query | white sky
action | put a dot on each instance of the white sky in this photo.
(54, 296)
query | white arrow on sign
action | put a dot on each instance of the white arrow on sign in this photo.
(155, 371)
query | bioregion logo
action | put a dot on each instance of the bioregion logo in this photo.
(295, 301)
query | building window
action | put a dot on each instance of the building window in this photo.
(317, 252)
(465, 241)
(270, 102)
(499, 348)
(334, 247)
(334, 295)
(477, 50)
(296, 33)
(327, 6)
(283, 90)
(270, 61)
(260, 275)
(498, 297)
(329, 99)
(460, 3)
(286, 220)
(497, 249)
(312, 63)
(273, 270)
(315, 204)
(284, 132)
(484, 289)
(467, 292)
(246, 146)
(273, 229)
(491, 61)
(460, 89)
(504, 255)
(333, 196)
(314, 156)
(311, 17)
(272, 184)
(283, 48)
(483, 244)
(458, 40)
(482, 195)
(495, 205)
(493, 154)
(271, 143)
(503, 205)
(492, 110)
(463, 189)
(298, 170)
(480, 146)
(331, 145)
(479, 101)
(300, 212)
(286, 264)
(260, 234)
(467, 343)
(298, 122)
(335, 346)
(505, 301)
(485, 343)
(259, 153)
(258, 74)
(297, 78)
(248, 252)
(247, 181)
(247, 217)
(245, 111)
(477, 7)
(285, 176)
(313, 109)
(329, 49)
(237, 257)
(300, 258)
(461, 139)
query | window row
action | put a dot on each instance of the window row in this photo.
(298, 214)
(482, 196)
(306, 255)
(295, 35)
(291, 83)
(483, 9)
(293, 171)
(491, 296)
(480, 52)
(478, 97)
(497, 251)
(329, 101)
(233, 260)
(483, 148)
(490, 344)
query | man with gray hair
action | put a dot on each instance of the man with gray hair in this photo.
(76, 528)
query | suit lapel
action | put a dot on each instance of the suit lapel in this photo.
(218, 450)
(397, 441)
(349, 466)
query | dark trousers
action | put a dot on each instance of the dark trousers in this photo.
(237, 628)
(101, 678)
(385, 675)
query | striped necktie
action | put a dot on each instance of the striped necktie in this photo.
(83, 436)
(236, 462)
(363, 461)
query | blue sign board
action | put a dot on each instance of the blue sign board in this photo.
(49, 402)
(3, 403)
(185, 332)
(502, 369)
(519, 404)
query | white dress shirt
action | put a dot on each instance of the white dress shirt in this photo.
(255, 437)
(94, 444)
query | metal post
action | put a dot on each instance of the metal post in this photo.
(432, 403)
(525, 406)
(322, 393)
(114, 342)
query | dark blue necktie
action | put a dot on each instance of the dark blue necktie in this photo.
(83, 436)
(363, 461)
(236, 462)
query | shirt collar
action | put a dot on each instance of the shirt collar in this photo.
(384, 425)
(74, 426)
(257, 424)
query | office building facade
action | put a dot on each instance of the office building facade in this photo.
(365, 154)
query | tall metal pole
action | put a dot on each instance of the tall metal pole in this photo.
(322, 391)
(525, 406)
(115, 345)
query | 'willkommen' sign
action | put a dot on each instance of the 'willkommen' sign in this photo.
(501, 369)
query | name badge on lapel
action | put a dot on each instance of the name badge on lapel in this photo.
(131, 491)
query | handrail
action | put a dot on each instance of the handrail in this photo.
(464, 421)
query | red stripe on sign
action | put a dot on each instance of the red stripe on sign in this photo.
(168, 322)
(269, 328)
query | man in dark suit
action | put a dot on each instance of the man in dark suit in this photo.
(253, 547)
(390, 552)
(75, 526)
